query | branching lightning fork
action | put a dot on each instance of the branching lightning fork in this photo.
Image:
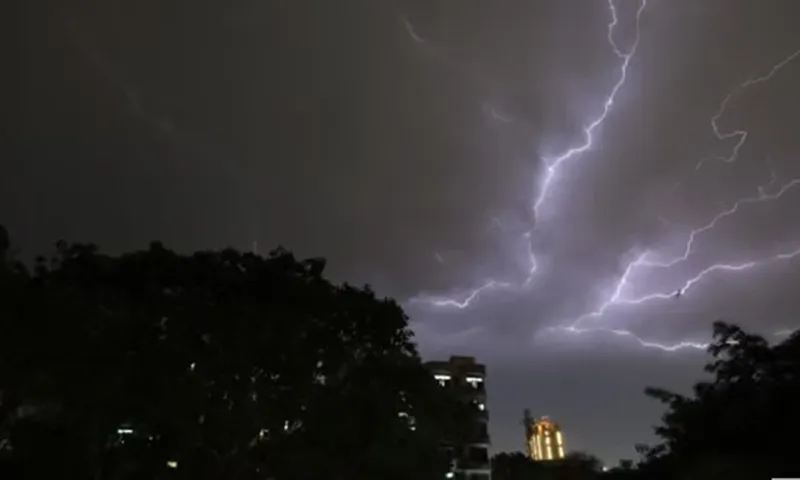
(761, 197)
(642, 261)
(688, 285)
(552, 164)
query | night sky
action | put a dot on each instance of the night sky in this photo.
(424, 147)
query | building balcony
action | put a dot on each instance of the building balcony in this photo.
(474, 465)
(479, 434)
(468, 392)
(475, 454)
(482, 415)
(480, 439)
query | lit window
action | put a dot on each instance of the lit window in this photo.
(537, 455)
(442, 379)
(541, 449)
(474, 381)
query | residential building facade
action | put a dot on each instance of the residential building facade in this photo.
(467, 378)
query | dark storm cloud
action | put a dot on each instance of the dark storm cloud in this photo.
(412, 162)
(313, 124)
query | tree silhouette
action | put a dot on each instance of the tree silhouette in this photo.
(516, 466)
(226, 365)
(513, 466)
(5, 243)
(739, 425)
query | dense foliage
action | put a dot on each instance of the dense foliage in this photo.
(222, 364)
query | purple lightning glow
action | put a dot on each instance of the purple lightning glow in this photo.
(617, 300)
(617, 297)
(643, 261)
(551, 164)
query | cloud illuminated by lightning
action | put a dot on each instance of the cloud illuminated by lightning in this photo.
(552, 165)
(644, 260)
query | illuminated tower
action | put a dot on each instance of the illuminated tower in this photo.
(544, 440)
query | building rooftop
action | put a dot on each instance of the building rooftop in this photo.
(459, 363)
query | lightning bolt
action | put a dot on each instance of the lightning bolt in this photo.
(489, 285)
(531, 261)
(467, 300)
(688, 285)
(552, 165)
(616, 298)
(740, 135)
(492, 112)
(412, 32)
(628, 334)
(674, 347)
(761, 197)
(717, 267)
